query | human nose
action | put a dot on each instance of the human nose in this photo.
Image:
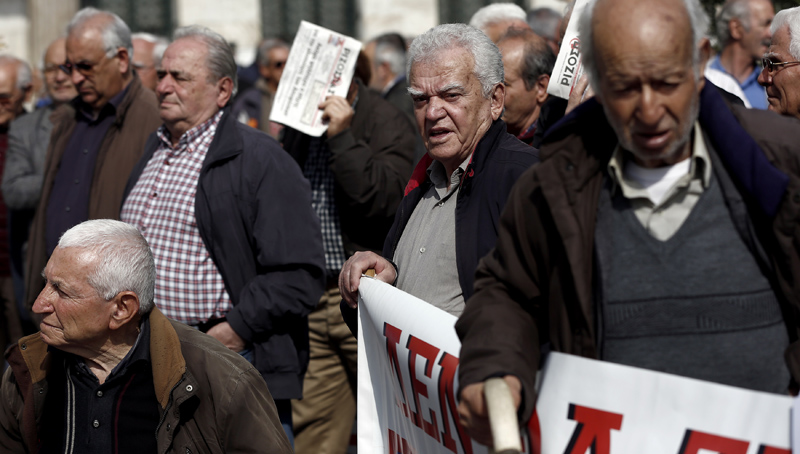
(649, 110)
(42, 305)
(435, 109)
(164, 86)
(765, 77)
(76, 77)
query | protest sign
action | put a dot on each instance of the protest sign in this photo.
(568, 68)
(407, 383)
(321, 63)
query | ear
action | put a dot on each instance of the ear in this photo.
(498, 99)
(736, 28)
(124, 60)
(126, 308)
(704, 47)
(541, 88)
(225, 87)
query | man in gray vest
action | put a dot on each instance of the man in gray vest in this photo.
(659, 230)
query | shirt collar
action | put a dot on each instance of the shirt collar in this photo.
(700, 166)
(189, 136)
(436, 172)
(391, 84)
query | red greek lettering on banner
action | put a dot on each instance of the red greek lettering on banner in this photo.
(593, 430)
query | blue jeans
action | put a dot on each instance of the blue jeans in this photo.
(284, 406)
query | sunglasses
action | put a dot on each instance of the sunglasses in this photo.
(82, 67)
(770, 65)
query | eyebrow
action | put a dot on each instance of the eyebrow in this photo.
(458, 87)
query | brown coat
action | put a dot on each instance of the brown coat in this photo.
(534, 292)
(120, 150)
(212, 400)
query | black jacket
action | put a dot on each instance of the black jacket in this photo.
(253, 211)
(371, 162)
(499, 159)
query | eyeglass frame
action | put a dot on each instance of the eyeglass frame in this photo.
(84, 68)
(770, 65)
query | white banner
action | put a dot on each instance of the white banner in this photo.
(407, 380)
(568, 68)
(321, 63)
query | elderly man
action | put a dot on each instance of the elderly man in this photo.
(744, 33)
(28, 137)
(617, 246)
(527, 62)
(449, 216)
(108, 372)
(253, 106)
(147, 52)
(495, 19)
(781, 73)
(15, 87)
(228, 214)
(96, 139)
(387, 55)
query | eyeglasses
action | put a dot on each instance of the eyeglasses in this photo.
(770, 65)
(82, 67)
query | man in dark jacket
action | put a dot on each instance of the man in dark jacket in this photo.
(619, 245)
(134, 381)
(228, 214)
(357, 171)
(448, 217)
(96, 139)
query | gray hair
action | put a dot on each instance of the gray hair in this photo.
(732, 9)
(160, 44)
(262, 57)
(220, 60)
(789, 17)
(544, 22)
(497, 12)
(124, 260)
(115, 33)
(697, 19)
(537, 58)
(391, 49)
(23, 70)
(488, 66)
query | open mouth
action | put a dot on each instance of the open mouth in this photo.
(438, 133)
(652, 140)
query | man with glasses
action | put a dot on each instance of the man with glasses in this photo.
(15, 86)
(96, 140)
(253, 106)
(781, 72)
(28, 137)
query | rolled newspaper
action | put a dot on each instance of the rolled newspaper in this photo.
(502, 417)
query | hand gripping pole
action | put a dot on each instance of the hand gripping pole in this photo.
(502, 417)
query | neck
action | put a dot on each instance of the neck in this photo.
(527, 122)
(737, 62)
(101, 361)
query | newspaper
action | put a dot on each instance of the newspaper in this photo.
(321, 63)
(568, 68)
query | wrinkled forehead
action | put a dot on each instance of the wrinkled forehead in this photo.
(454, 63)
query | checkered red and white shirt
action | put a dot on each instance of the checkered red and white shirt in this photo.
(189, 287)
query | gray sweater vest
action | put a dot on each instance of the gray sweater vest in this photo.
(696, 305)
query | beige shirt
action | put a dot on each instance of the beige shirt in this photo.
(426, 252)
(662, 218)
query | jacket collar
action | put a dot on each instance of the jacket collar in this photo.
(483, 150)
(227, 141)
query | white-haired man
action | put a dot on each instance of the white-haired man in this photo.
(108, 372)
(743, 27)
(618, 245)
(96, 139)
(495, 19)
(780, 74)
(238, 248)
(15, 87)
(147, 52)
(449, 216)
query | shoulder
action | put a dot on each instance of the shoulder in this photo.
(768, 127)
(207, 357)
(28, 122)
(511, 155)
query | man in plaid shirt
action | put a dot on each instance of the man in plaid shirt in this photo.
(228, 215)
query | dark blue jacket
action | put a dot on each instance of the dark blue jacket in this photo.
(253, 211)
(499, 159)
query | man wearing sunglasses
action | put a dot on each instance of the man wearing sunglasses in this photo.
(252, 107)
(97, 138)
(781, 65)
